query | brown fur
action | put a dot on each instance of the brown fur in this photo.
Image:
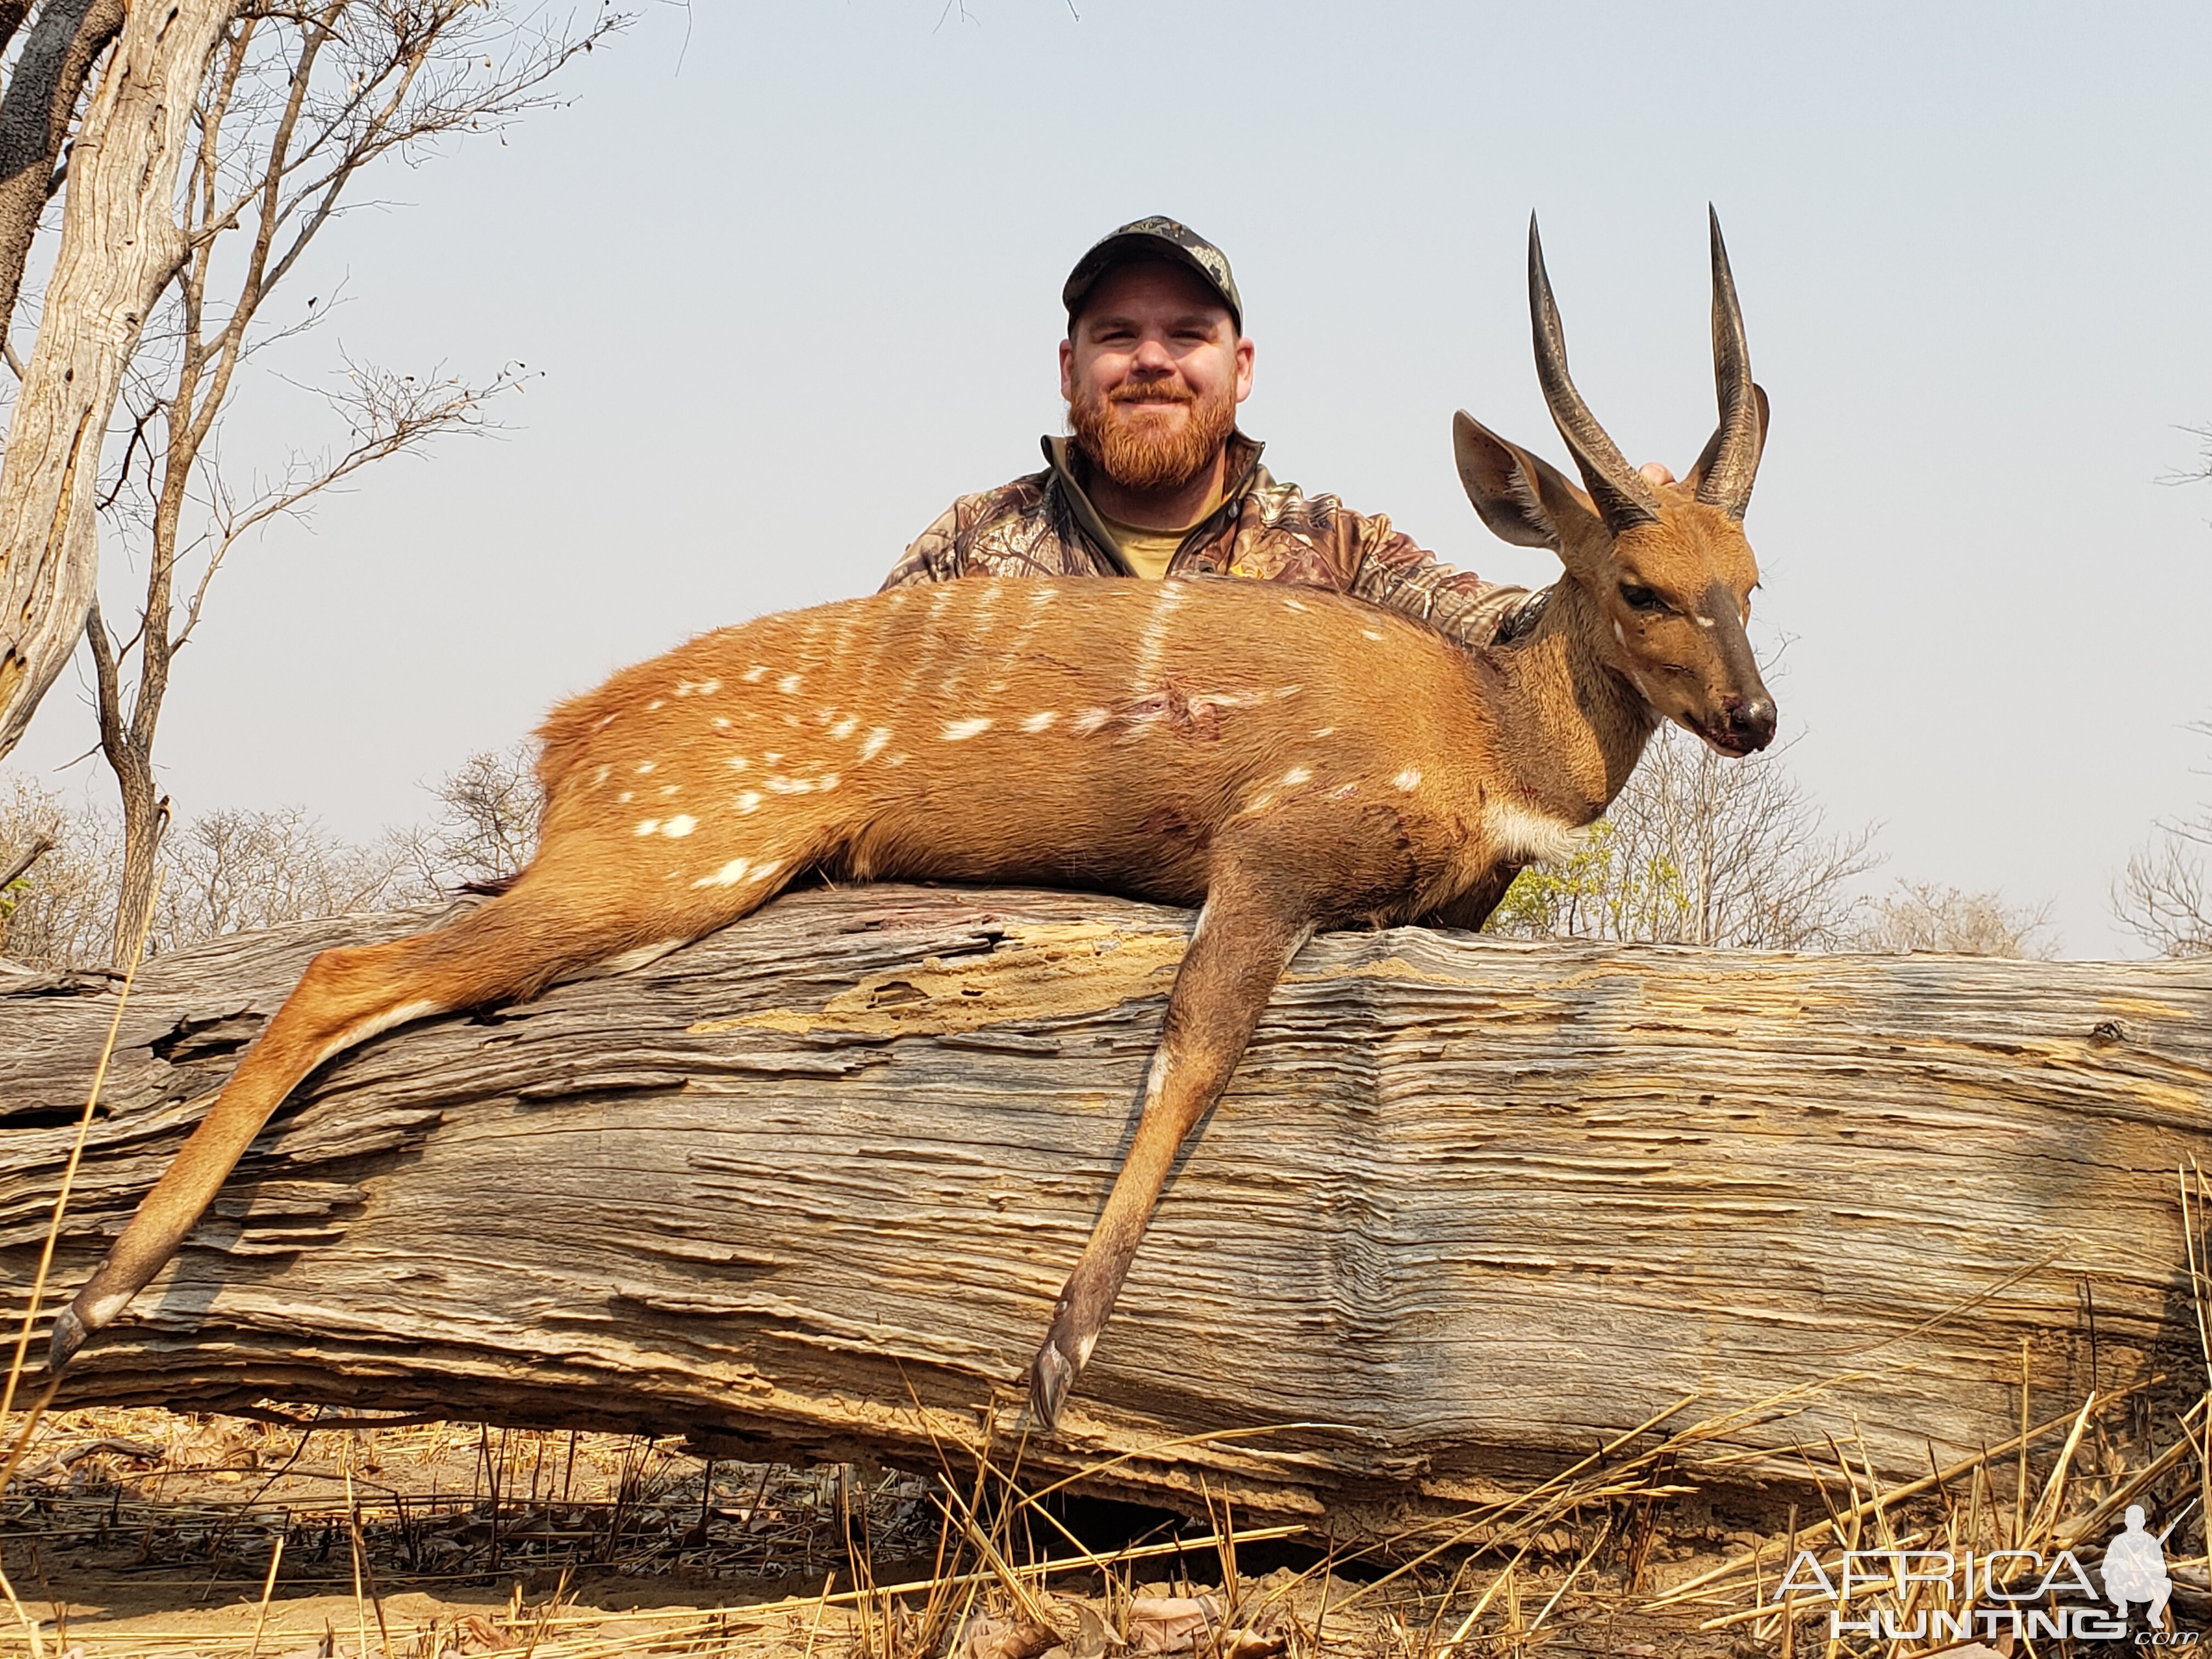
(1290, 759)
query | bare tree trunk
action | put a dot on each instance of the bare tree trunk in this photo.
(128, 744)
(1471, 1206)
(119, 247)
(34, 122)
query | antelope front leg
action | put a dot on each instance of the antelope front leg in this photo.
(1243, 943)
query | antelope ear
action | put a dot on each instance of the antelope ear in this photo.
(1522, 499)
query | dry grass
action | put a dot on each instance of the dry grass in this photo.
(144, 1533)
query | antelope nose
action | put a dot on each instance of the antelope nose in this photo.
(1752, 722)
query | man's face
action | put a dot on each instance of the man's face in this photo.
(1152, 375)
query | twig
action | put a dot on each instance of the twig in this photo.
(268, 1589)
(40, 847)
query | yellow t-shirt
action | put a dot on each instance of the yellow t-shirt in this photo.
(1149, 550)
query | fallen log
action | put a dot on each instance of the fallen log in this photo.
(1472, 1206)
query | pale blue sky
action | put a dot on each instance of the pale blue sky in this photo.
(790, 273)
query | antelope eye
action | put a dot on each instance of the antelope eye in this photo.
(1640, 598)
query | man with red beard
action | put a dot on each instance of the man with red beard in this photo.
(1155, 479)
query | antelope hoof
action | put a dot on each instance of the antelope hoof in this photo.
(1051, 1374)
(69, 1335)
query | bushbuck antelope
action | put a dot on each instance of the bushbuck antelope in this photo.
(1291, 759)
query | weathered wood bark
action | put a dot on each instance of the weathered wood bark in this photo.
(1470, 1205)
(119, 247)
(41, 100)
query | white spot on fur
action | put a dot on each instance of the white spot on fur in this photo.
(1370, 634)
(877, 737)
(898, 759)
(1408, 779)
(600, 776)
(773, 756)
(721, 722)
(1325, 732)
(826, 782)
(1520, 832)
(960, 731)
(1038, 722)
(763, 872)
(646, 826)
(787, 684)
(1296, 774)
(738, 762)
(1154, 639)
(728, 876)
(708, 688)
(1292, 604)
(844, 728)
(752, 676)
(602, 722)
(667, 789)
(750, 801)
(679, 826)
(780, 785)
(656, 703)
(626, 797)
(1288, 691)
(1089, 721)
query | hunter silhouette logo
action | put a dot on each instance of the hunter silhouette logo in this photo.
(2135, 1568)
(1994, 1593)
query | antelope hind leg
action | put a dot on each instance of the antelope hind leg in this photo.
(1245, 937)
(512, 947)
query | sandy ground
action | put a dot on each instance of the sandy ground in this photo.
(130, 1533)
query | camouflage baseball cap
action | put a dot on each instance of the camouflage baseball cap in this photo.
(1155, 238)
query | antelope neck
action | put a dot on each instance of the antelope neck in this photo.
(1571, 726)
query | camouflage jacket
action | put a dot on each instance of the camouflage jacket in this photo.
(1044, 524)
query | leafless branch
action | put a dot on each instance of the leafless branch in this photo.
(20, 866)
(386, 413)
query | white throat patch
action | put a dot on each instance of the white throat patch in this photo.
(1537, 837)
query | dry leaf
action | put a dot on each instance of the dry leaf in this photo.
(478, 1634)
(1092, 1636)
(987, 1635)
(1170, 1623)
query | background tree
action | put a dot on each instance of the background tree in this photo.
(1926, 916)
(2165, 894)
(1701, 850)
(295, 107)
(486, 828)
(57, 913)
(232, 871)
